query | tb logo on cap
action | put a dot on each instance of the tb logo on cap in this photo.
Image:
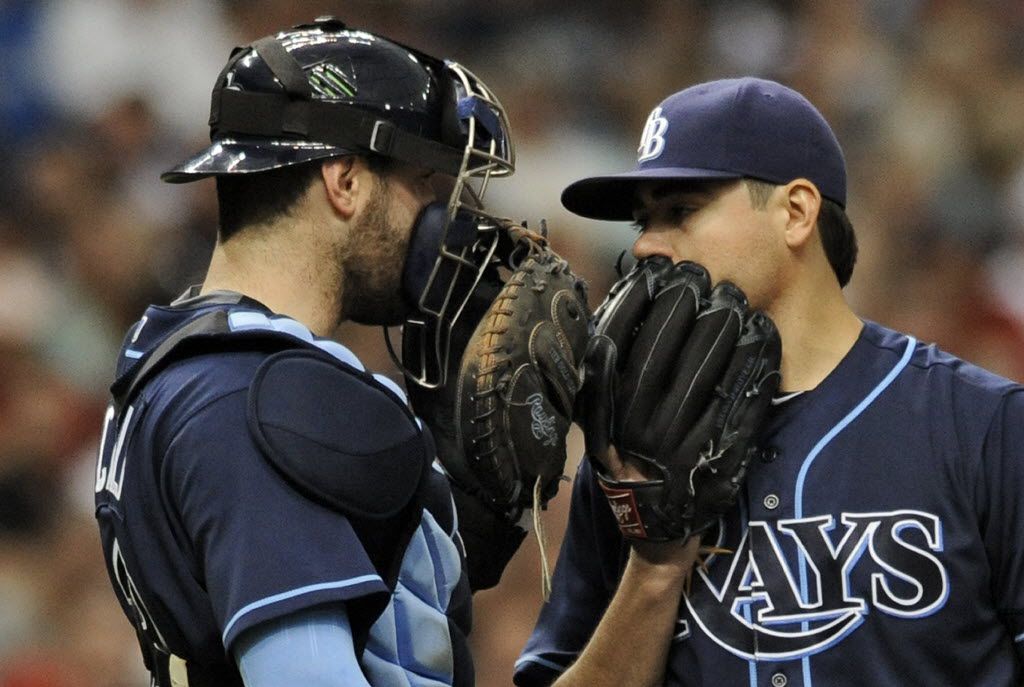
(652, 140)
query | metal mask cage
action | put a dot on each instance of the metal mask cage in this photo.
(460, 265)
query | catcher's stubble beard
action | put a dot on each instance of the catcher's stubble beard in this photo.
(371, 262)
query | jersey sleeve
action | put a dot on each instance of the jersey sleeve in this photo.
(1001, 511)
(313, 646)
(590, 562)
(261, 548)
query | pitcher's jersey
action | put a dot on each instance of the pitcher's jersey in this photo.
(879, 540)
(205, 539)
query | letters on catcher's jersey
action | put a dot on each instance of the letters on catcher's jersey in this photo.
(877, 541)
(204, 539)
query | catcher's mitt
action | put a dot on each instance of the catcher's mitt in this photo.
(677, 381)
(501, 418)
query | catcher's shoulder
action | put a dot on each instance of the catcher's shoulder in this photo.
(344, 436)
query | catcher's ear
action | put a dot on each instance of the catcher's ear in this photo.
(802, 202)
(344, 181)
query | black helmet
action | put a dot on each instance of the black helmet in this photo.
(321, 90)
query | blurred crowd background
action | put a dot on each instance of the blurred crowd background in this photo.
(99, 96)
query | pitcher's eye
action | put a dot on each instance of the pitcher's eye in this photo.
(678, 213)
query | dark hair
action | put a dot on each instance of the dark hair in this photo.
(244, 200)
(838, 239)
(834, 226)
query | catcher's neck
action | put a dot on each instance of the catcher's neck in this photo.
(284, 267)
(818, 329)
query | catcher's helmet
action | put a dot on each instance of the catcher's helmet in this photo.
(321, 90)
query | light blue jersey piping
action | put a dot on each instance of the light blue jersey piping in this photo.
(818, 448)
(293, 593)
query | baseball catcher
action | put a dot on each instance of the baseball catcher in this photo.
(677, 381)
(502, 411)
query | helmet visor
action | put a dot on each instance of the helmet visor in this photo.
(241, 155)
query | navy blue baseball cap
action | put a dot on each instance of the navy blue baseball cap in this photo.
(726, 129)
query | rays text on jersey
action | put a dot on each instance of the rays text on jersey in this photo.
(767, 608)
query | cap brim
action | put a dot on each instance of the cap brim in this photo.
(247, 155)
(613, 197)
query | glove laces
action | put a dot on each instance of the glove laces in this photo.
(542, 543)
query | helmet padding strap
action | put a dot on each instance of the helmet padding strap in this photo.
(278, 116)
(285, 67)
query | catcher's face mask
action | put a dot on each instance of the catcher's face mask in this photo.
(454, 244)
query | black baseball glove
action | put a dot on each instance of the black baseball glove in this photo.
(677, 380)
(501, 418)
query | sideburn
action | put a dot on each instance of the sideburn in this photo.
(371, 264)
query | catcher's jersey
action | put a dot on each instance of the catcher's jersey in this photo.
(204, 538)
(878, 541)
